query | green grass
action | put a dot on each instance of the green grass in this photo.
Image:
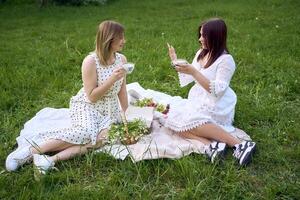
(41, 51)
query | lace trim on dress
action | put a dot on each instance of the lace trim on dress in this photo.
(217, 88)
(177, 127)
(212, 89)
(184, 79)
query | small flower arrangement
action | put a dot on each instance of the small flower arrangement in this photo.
(150, 103)
(127, 132)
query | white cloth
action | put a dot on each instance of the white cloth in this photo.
(160, 143)
(216, 106)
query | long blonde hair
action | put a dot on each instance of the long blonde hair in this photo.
(107, 32)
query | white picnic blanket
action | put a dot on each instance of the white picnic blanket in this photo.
(160, 143)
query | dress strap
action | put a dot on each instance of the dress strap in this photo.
(97, 61)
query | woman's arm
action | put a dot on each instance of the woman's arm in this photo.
(89, 77)
(225, 71)
(217, 86)
(123, 92)
(202, 80)
(172, 53)
(123, 96)
(189, 69)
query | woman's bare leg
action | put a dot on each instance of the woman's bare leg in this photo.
(214, 132)
(50, 146)
(70, 152)
(190, 135)
(79, 149)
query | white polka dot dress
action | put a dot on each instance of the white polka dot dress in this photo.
(88, 118)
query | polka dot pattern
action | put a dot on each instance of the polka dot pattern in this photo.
(88, 118)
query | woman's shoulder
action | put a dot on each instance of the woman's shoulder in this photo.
(89, 61)
(228, 58)
(196, 55)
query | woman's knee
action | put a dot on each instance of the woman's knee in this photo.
(100, 141)
(204, 127)
(102, 136)
(185, 134)
(94, 146)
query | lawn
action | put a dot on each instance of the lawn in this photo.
(41, 50)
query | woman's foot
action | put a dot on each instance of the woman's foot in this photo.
(18, 158)
(243, 152)
(216, 150)
(42, 163)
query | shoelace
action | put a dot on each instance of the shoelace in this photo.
(241, 148)
(209, 149)
(24, 160)
(237, 152)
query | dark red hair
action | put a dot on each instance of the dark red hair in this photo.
(215, 34)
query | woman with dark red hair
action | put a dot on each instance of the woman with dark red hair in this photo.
(207, 115)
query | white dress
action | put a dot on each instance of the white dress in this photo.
(216, 106)
(87, 118)
(160, 143)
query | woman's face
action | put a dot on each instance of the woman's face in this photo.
(202, 40)
(118, 43)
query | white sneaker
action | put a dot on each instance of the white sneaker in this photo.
(42, 163)
(215, 150)
(244, 151)
(18, 158)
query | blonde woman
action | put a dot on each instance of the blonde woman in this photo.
(92, 110)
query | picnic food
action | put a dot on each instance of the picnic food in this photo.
(150, 103)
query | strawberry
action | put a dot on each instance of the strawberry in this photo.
(165, 111)
(151, 104)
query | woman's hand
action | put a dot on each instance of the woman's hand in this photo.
(118, 73)
(186, 69)
(172, 53)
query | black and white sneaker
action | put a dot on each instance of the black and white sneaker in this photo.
(244, 151)
(216, 150)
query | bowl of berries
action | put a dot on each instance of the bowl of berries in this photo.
(149, 102)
